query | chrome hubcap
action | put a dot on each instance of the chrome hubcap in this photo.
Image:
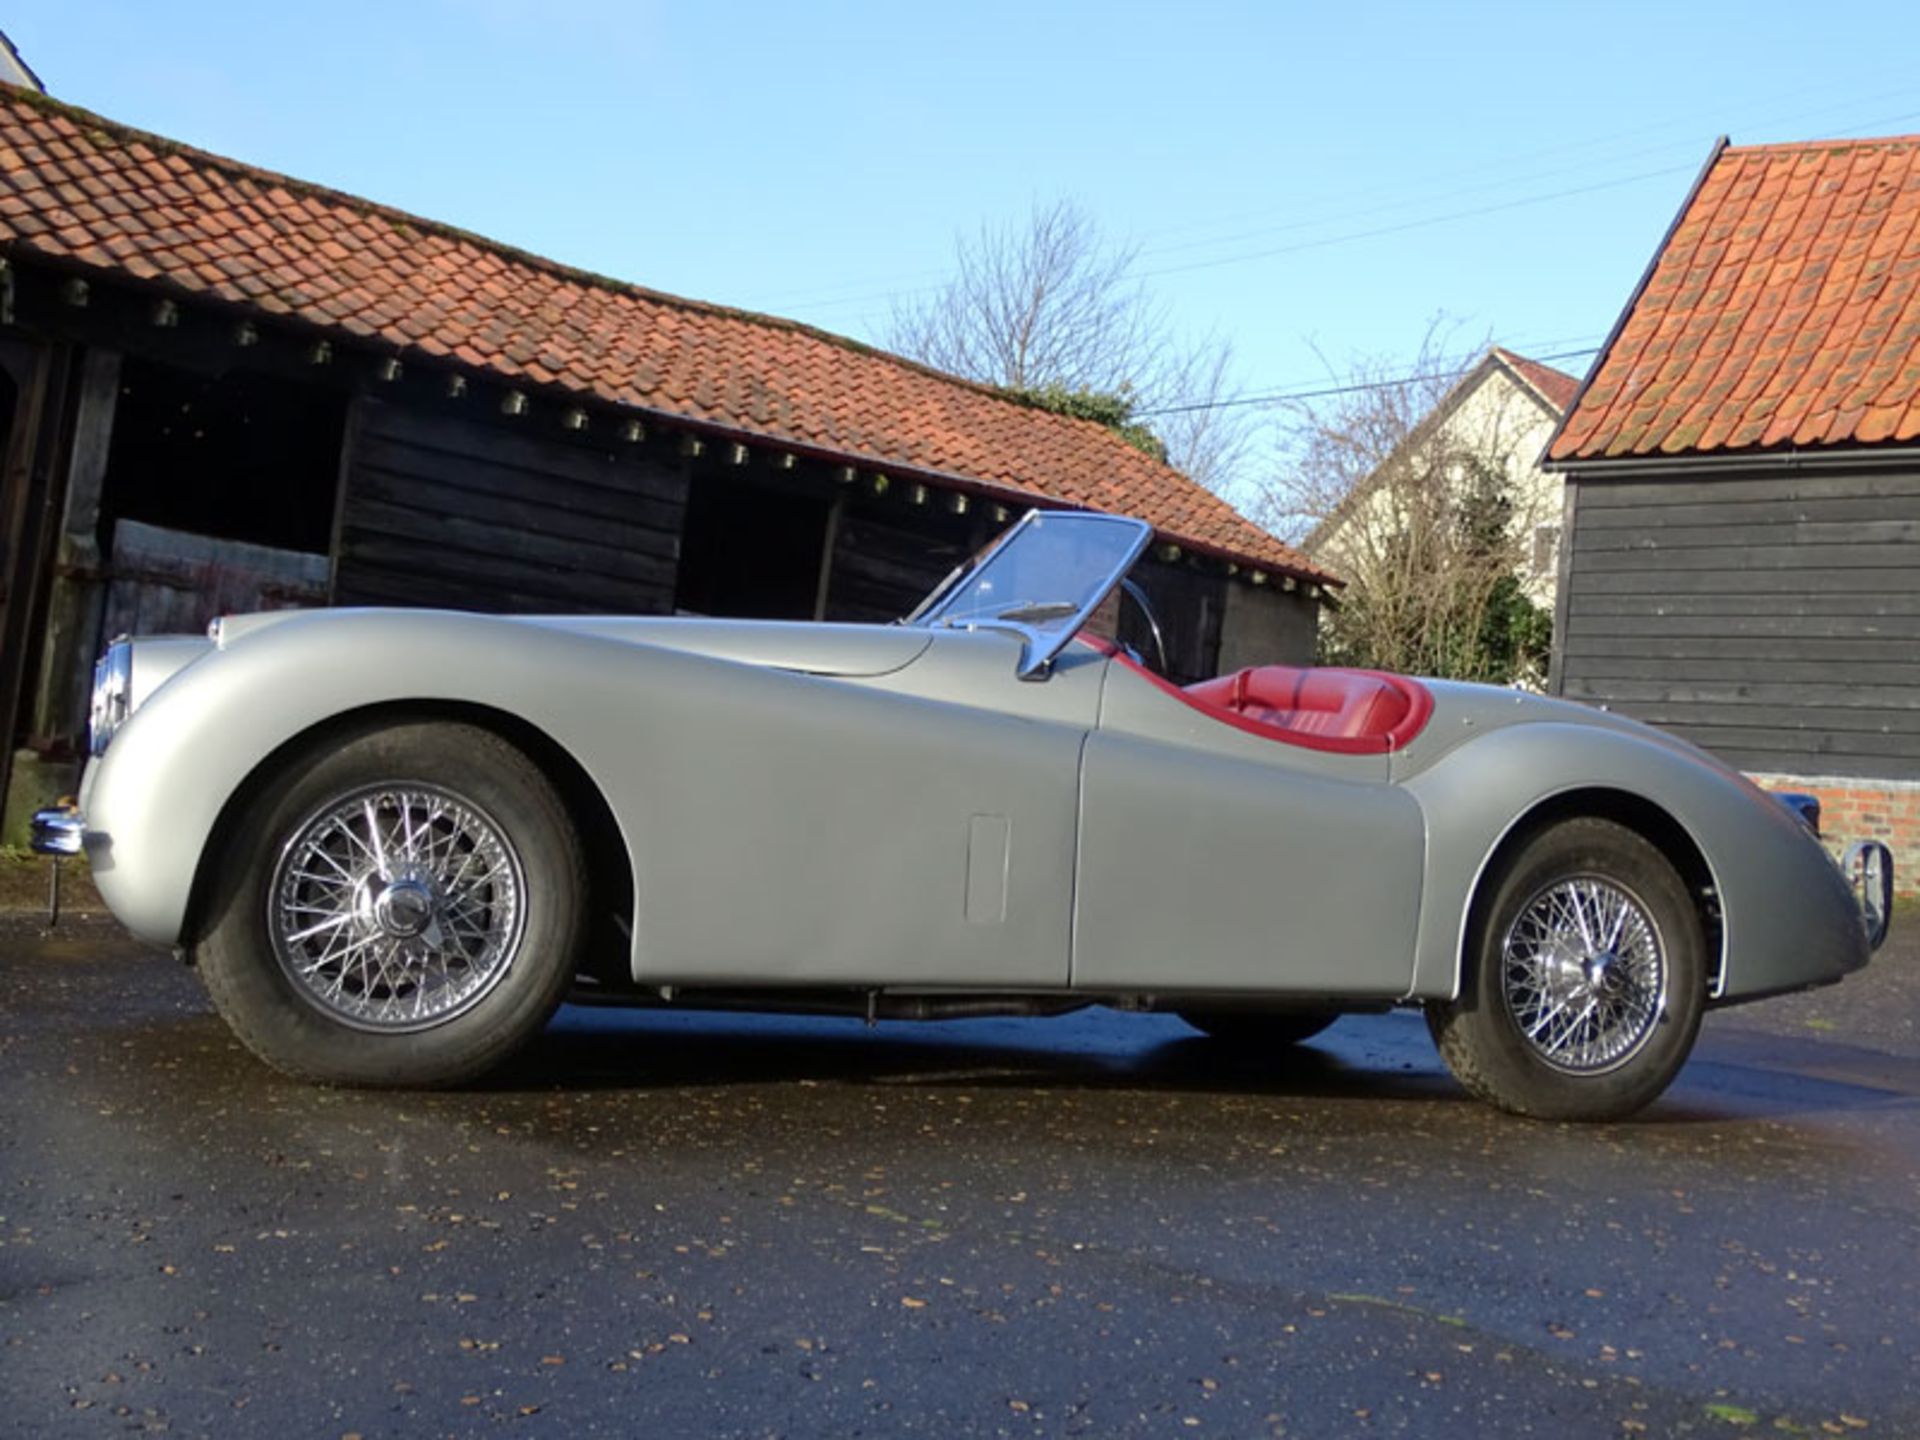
(397, 907)
(404, 908)
(1584, 975)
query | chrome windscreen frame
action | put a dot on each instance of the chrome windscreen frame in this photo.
(1039, 647)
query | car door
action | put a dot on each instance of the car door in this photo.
(1212, 859)
(909, 829)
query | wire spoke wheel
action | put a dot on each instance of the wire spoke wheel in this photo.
(397, 907)
(1584, 974)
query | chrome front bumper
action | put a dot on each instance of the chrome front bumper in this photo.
(1868, 866)
(57, 830)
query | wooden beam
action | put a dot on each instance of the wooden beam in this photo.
(1563, 586)
(827, 544)
(75, 602)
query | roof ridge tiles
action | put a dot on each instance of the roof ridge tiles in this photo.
(1816, 147)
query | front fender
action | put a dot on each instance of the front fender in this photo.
(1788, 919)
(152, 802)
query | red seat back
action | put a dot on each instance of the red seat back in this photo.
(1355, 709)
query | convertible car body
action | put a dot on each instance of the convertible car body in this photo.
(394, 840)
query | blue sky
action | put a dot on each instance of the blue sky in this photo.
(1306, 180)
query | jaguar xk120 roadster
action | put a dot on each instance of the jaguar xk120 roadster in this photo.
(393, 840)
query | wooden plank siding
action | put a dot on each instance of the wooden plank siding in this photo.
(445, 511)
(1775, 621)
(886, 560)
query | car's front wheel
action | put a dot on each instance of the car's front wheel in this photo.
(403, 907)
(1585, 978)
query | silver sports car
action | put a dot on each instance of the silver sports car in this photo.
(394, 840)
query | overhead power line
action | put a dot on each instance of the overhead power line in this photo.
(1418, 224)
(1277, 396)
(925, 282)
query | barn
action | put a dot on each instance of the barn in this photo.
(224, 389)
(1742, 475)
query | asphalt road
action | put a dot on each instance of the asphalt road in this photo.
(1100, 1225)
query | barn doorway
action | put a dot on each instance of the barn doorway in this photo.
(218, 497)
(750, 550)
(237, 456)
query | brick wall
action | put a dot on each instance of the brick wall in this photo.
(1852, 809)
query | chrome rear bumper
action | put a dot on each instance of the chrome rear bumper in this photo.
(1868, 866)
(57, 830)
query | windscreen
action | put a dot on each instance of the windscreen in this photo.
(1051, 567)
(1044, 578)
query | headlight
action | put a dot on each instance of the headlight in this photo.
(112, 694)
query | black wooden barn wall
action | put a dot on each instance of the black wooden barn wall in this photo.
(1774, 621)
(440, 510)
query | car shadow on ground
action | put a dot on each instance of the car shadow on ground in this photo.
(593, 1049)
(1378, 1058)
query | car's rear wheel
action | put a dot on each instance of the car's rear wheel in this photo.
(1585, 978)
(1246, 1029)
(401, 908)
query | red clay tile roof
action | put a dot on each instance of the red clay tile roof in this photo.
(79, 189)
(1556, 387)
(1783, 312)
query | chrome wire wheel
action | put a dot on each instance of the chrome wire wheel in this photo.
(397, 907)
(1584, 975)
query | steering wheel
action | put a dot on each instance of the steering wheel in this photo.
(1139, 597)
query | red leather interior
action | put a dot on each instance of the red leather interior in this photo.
(1355, 712)
(1335, 704)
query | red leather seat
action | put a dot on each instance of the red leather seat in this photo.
(1366, 708)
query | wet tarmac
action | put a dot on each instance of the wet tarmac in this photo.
(706, 1225)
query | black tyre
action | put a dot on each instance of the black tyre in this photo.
(1584, 982)
(404, 907)
(1249, 1029)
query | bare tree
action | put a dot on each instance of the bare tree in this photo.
(1415, 502)
(1053, 311)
